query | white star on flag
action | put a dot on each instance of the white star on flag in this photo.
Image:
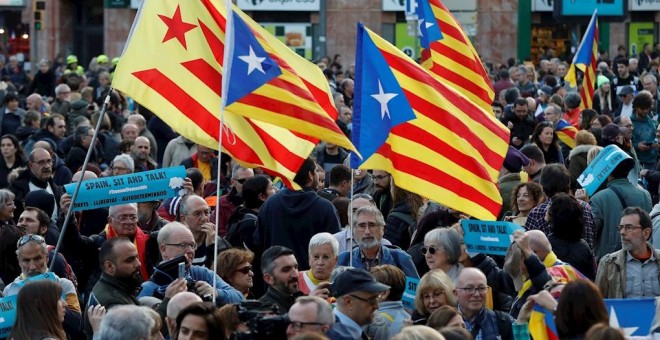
(254, 62)
(614, 322)
(383, 98)
(427, 25)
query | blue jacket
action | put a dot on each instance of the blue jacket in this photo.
(393, 256)
(226, 293)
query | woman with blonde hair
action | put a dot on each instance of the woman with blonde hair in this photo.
(434, 290)
(577, 158)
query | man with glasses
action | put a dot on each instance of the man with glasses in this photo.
(175, 240)
(122, 222)
(310, 314)
(32, 255)
(345, 237)
(38, 175)
(471, 290)
(368, 230)
(195, 214)
(358, 295)
(634, 271)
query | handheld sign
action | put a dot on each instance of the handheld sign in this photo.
(138, 187)
(600, 167)
(8, 305)
(488, 237)
(408, 298)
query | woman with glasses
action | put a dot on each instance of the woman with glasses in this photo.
(40, 312)
(434, 290)
(442, 217)
(442, 250)
(323, 251)
(545, 137)
(235, 267)
(12, 157)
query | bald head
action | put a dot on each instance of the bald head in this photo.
(42, 144)
(129, 132)
(176, 305)
(470, 276)
(539, 243)
(88, 175)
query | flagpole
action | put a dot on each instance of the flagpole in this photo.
(350, 223)
(229, 45)
(80, 180)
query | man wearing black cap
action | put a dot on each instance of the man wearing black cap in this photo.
(509, 176)
(358, 295)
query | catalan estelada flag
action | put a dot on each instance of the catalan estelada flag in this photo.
(566, 133)
(434, 141)
(172, 65)
(585, 61)
(449, 55)
(542, 324)
(267, 81)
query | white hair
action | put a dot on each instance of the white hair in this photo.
(322, 239)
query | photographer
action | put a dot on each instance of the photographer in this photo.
(176, 240)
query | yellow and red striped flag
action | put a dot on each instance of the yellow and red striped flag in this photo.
(433, 140)
(585, 60)
(566, 133)
(449, 55)
(172, 65)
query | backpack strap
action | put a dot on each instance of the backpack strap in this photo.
(621, 199)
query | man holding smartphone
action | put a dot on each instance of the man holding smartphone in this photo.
(643, 134)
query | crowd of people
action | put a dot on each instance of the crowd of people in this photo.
(330, 260)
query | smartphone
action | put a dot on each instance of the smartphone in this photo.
(182, 270)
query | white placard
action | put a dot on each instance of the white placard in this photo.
(645, 5)
(542, 5)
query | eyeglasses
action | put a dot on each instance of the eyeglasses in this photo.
(119, 168)
(183, 246)
(471, 290)
(364, 226)
(126, 218)
(245, 270)
(31, 237)
(200, 213)
(44, 162)
(430, 249)
(297, 326)
(629, 227)
(372, 300)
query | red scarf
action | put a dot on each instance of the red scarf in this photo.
(140, 243)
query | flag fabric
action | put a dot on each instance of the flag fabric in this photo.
(434, 141)
(265, 81)
(566, 133)
(542, 324)
(172, 65)
(585, 61)
(449, 55)
(633, 316)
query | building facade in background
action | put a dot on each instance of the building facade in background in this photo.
(499, 29)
